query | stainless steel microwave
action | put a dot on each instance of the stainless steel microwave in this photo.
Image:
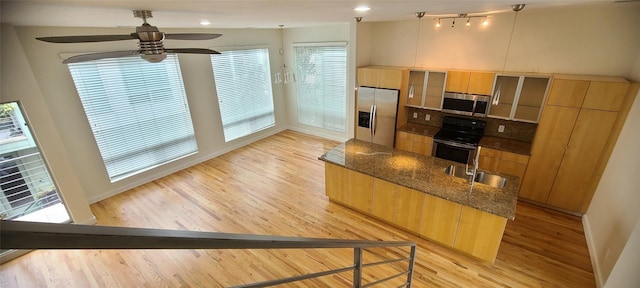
(465, 104)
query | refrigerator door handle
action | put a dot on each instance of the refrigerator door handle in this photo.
(371, 122)
(375, 119)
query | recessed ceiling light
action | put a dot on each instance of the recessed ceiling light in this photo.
(362, 8)
(205, 22)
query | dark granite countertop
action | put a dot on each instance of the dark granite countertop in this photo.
(509, 145)
(424, 173)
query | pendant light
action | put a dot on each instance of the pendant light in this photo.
(415, 57)
(284, 74)
(516, 8)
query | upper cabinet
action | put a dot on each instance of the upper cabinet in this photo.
(426, 89)
(605, 94)
(470, 82)
(517, 97)
(380, 77)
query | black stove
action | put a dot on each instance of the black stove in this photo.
(461, 130)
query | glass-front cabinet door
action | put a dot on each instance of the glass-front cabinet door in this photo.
(416, 87)
(435, 90)
(532, 94)
(518, 97)
(426, 89)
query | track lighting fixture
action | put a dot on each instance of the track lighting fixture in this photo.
(485, 22)
(358, 19)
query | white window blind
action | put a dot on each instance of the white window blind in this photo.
(243, 84)
(137, 110)
(322, 85)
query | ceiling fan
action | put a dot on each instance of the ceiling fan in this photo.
(150, 46)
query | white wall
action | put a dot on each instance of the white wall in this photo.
(18, 84)
(625, 272)
(593, 39)
(332, 33)
(59, 96)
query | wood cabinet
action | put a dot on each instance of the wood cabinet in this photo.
(552, 137)
(336, 183)
(384, 200)
(426, 89)
(436, 215)
(503, 162)
(409, 208)
(584, 151)
(573, 140)
(470, 82)
(454, 225)
(360, 190)
(518, 97)
(380, 77)
(414, 143)
(477, 235)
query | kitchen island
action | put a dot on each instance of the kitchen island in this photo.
(413, 192)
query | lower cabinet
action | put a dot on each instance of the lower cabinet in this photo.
(436, 218)
(454, 225)
(419, 144)
(409, 207)
(503, 162)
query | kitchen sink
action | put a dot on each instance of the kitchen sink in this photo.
(492, 180)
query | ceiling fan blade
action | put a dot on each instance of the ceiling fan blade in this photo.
(191, 36)
(87, 38)
(98, 56)
(192, 51)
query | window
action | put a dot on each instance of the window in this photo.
(243, 84)
(137, 110)
(322, 85)
(28, 191)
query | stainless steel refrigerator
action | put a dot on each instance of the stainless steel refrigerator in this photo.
(377, 111)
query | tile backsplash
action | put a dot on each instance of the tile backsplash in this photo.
(514, 130)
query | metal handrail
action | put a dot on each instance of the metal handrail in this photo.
(33, 235)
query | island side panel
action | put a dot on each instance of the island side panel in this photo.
(336, 183)
(479, 233)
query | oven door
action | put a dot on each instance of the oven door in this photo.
(453, 151)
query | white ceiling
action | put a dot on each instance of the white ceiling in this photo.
(244, 13)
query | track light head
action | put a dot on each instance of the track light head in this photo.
(358, 19)
(420, 14)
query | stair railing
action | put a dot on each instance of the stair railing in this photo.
(33, 235)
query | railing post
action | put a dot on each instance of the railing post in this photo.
(412, 255)
(357, 264)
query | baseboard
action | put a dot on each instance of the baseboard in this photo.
(194, 161)
(319, 134)
(90, 221)
(592, 250)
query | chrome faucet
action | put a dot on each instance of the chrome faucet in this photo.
(473, 172)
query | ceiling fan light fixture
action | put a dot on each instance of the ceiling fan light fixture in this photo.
(154, 58)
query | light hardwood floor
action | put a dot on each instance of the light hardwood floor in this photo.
(276, 186)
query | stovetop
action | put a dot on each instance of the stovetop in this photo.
(461, 130)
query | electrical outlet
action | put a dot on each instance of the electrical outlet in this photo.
(427, 117)
(501, 128)
(415, 115)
